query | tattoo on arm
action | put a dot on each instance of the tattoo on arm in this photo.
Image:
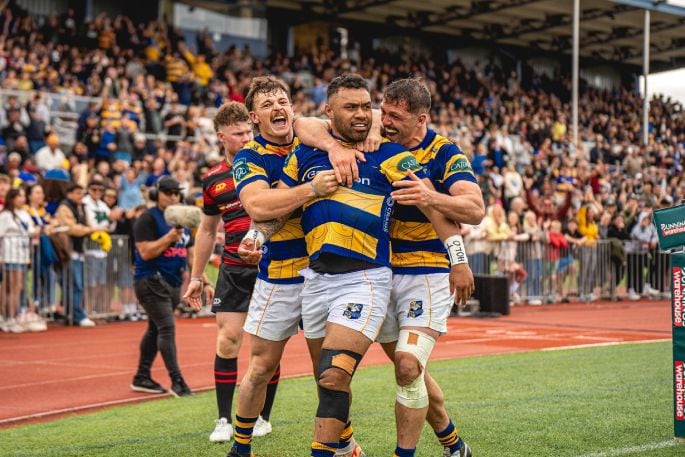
(269, 228)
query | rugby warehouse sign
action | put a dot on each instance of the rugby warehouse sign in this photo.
(670, 226)
(677, 294)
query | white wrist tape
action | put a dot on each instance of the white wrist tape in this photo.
(455, 250)
(256, 236)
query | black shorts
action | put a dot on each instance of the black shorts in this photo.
(234, 289)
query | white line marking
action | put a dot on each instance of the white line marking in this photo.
(633, 449)
(594, 345)
(117, 402)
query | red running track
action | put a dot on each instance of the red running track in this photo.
(68, 369)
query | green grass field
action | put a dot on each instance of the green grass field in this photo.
(594, 402)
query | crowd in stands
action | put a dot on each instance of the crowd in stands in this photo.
(156, 93)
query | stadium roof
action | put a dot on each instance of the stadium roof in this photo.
(609, 30)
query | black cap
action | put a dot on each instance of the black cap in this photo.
(167, 183)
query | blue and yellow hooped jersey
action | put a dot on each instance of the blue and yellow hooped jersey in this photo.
(285, 253)
(352, 222)
(416, 247)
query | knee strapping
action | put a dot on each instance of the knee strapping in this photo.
(341, 359)
(333, 404)
(415, 394)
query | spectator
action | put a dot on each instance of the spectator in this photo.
(71, 214)
(98, 217)
(533, 258)
(50, 156)
(16, 228)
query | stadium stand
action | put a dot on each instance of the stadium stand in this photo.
(127, 102)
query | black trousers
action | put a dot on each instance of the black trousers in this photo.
(159, 299)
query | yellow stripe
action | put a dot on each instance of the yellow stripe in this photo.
(368, 317)
(430, 300)
(369, 203)
(412, 231)
(346, 433)
(283, 269)
(292, 230)
(266, 306)
(419, 259)
(322, 447)
(242, 424)
(254, 170)
(342, 236)
(450, 439)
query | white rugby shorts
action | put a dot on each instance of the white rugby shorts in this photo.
(417, 301)
(275, 310)
(356, 300)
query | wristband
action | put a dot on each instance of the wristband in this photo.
(256, 236)
(455, 250)
(316, 193)
(197, 279)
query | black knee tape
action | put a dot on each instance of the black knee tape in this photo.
(333, 404)
(341, 359)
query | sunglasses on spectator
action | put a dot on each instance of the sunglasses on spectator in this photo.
(97, 189)
(172, 192)
(111, 195)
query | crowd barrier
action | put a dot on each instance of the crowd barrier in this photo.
(538, 272)
(33, 279)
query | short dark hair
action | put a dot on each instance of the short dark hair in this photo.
(73, 186)
(411, 92)
(264, 85)
(230, 114)
(346, 81)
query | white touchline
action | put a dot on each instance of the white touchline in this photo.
(633, 449)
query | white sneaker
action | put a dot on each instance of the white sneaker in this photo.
(535, 302)
(223, 431)
(86, 323)
(13, 326)
(261, 427)
(632, 295)
(649, 291)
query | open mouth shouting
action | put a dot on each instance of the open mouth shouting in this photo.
(390, 132)
(279, 122)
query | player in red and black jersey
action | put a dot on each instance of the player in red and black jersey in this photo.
(220, 198)
(236, 278)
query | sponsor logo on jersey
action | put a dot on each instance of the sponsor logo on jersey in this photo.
(311, 173)
(353, 310)
(415, 308)
(409, 163)
(240, 170)
(461, 164)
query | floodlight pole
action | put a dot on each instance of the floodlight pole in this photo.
(645, 71)
(576, 39)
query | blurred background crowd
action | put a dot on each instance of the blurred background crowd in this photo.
(142, 101)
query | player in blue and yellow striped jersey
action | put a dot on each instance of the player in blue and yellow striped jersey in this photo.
(275, 307)
(347, 235)
(422, 294)
(425, 274)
